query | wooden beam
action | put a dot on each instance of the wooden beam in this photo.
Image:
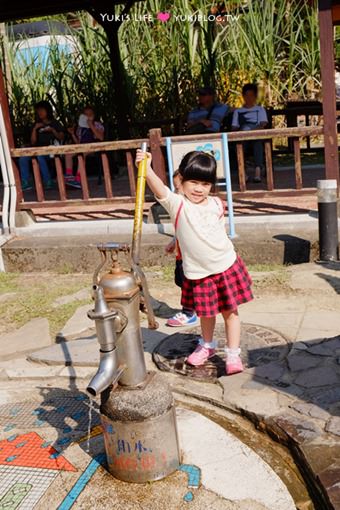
(328, 89)
(336, 14)
(9, 133)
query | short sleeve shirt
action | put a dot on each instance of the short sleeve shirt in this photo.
(247, 119)
(201, 234)
(48, 138)
(217, 115)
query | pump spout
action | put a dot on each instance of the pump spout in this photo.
(109, 323)
(107, 374)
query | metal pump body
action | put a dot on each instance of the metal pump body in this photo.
(137, 414)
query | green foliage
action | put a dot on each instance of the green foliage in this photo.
(274, 42)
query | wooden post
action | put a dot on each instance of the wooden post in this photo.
(60, 178)
(131, 173)
(241, 166)
(107, 175)
(328, 89)
(269, 164)
(158, 162)
(9, 132)
(297, 163)
(83, 177)
(37, 179)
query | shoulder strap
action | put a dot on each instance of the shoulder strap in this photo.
(221, 207)
(177, 215)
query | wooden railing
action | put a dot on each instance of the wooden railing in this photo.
(156, 144)
(267, 135)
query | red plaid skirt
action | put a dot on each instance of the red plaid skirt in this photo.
(224, 291)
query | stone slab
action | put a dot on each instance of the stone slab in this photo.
(31, 371)
(311, 410)
(78, 372)
(333, 426)
(303, 361)
(81, 295)
(77, 325)
(327, 320)
(317, 377)
(299, 430)
(76, 353)
(33, 335)
(326, 397)
(247, 476)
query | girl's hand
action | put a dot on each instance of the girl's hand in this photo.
(140, 156)
(170, 248)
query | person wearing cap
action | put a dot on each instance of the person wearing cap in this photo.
(209, 114)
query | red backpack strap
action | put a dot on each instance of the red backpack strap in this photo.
(221, 207)
(177, 215)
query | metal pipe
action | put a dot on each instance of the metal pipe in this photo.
(138, 219)
(108, 322)
(137, 237)
(328, 220)
(107, 374)
(11, 179)
(6, 196)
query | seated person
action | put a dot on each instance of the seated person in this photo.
(46, 131)
(208, 116)
(251, 116)
(89, 130)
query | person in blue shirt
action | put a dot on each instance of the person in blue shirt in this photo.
(251, 116)
(209, 114)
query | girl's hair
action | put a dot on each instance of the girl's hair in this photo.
(46, 106)
(176, 174)
(198, 166)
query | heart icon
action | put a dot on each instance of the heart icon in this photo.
(163, 16)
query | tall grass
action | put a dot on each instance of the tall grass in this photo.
(274, 42)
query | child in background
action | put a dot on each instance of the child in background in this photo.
(186, 317)
(215, 278)
(89, 130)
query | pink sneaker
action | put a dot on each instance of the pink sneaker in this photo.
(233, 362)
(202, 353)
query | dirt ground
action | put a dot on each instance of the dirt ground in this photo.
(26, 296)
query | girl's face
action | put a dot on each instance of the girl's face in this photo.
(42, 114)
(89, 113)
(196, 191)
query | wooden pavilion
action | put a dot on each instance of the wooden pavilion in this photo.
(329, 16)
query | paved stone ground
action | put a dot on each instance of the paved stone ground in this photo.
(292, 394)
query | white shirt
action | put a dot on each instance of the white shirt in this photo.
(201, 234)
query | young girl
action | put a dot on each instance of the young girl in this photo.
(187, 317)
(89, 130)
(216, 279)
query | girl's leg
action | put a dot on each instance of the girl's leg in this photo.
(207, 327)
(69, 166)
(44, 168)
(24, 165)
(206, 347)
(232, 328)
(233, 336)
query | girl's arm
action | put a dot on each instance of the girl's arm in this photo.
(156, 185)
(97, 132)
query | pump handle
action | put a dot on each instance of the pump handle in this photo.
(113, 246)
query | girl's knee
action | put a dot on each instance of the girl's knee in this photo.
(230, 315)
